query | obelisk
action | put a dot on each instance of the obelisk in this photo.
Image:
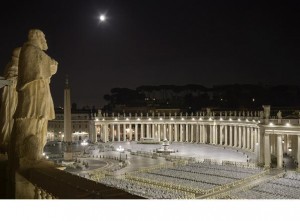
(68, 155)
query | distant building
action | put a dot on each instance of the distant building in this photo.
(80, 125)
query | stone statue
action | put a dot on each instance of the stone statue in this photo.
(35, 106)
(99, 113)
(261, 114)
(279, 115)
(208, 112)
(9, 101)
(267, 109)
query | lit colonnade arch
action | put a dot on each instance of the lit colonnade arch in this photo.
(257, 132)
(234, 129)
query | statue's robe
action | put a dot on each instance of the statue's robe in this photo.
(9, 100)
(33, 88)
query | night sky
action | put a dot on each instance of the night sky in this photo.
(154, 42)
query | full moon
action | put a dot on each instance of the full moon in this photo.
(102, 17)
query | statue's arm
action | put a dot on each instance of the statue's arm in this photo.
(53, 66)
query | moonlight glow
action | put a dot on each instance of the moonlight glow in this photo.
(102, 18)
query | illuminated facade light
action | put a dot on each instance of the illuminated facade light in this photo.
(138, 119)
(172, 118)
(160, 118)
(193, 118)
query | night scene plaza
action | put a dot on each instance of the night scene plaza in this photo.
(150, 100)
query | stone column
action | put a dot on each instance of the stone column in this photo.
(204, 134)
(112, 132)
(267, 152)
(170, 133)
(142, 131)
(158, 131)
(175, 132)
(215, 134)
(230, 135)
(240, 137)
(192, 133)
(200, 134)
(248, 138)
(147, 131)
(186, 133)
(279, 151)
(235, 136)
(255, 138)
(181, 132)
(252, 138)
(136, 132)
(244, 137)
(124, 132)
(261, 141)
(197, 133)
(285, 149)
(165, 132)
(226, 136)
(130, 132)
(210, 134)
(119, 133)
(221, 135)
(153, 130)
(105, 132)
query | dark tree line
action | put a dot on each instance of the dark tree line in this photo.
(194, 97)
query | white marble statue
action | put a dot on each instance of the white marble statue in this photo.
(35, 105)
(9, 100)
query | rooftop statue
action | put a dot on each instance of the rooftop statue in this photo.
(9, 100)
(35, 106)
(279, 115)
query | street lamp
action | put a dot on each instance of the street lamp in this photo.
(121, 150)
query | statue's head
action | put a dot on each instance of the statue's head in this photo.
(38, 37)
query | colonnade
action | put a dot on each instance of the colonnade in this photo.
(278, 144)
(243, 135)
(249, 135)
